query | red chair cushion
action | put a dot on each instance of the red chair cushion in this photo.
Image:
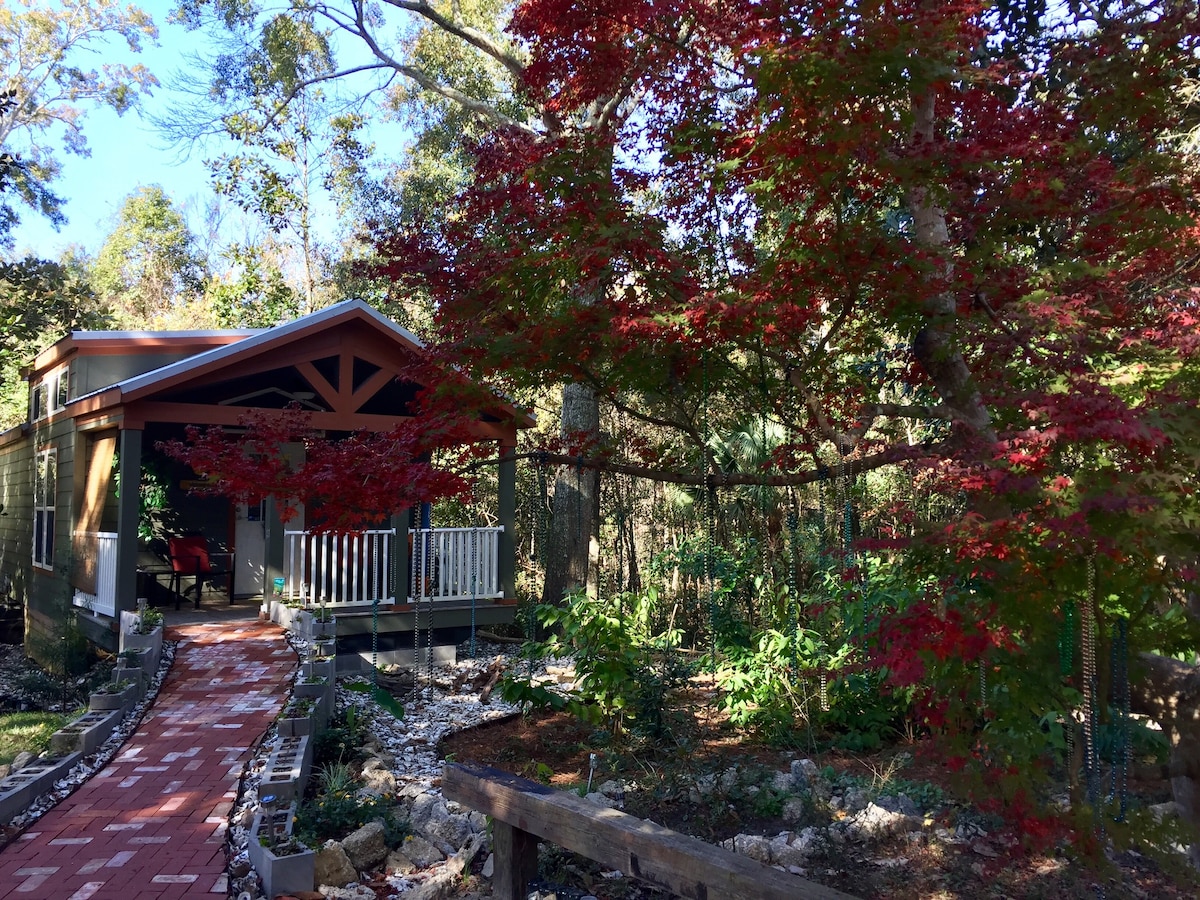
(189, 554)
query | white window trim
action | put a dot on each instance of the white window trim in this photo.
(48, 387)
(46, 459)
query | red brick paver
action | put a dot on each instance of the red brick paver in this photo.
(151, 824)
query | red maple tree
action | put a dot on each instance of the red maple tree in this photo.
(954, 234)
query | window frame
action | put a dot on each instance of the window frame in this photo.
(45, 506)
(50, 394)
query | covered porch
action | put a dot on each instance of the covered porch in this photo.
(346, 367)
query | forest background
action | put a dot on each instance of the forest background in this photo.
(862, 335)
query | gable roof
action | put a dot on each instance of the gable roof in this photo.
(347, 361)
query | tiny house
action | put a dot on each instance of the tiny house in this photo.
(76, 530)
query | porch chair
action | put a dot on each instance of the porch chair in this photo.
(190, 558)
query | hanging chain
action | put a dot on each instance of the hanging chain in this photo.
(1123, 749)
(1088, 627)
(764, 561)
(1066, 665)
(474, 582)
(415, 590)
(710, 525)
(429, 612)
(983, 686)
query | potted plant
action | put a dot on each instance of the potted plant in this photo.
(297, 717)
(114, 695)
(316, 686)
(324, 624)
(284, 864)
(146, 633)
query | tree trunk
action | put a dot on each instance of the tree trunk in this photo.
(935, 344)
(1169, 692)
(574, 508)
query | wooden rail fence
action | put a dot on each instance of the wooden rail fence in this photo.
(523, 811)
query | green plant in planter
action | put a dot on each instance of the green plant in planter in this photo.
(323, 614)
(274, 835)
(113, 687)
(315, 679)
(133, 658)
(149, 619)
(298, 708)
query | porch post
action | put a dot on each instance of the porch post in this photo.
(273, 561)
(507, 514)
(400, 563)
(127, 520)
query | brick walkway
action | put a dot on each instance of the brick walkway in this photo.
(151, 824)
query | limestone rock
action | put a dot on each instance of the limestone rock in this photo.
(399, 864)
(900, 804)
(794, 809)
(239, 868)
(447, 830)
(333, 866)
(366, 847)
(21, 760)
(422, 853)
(809, 840)
(876, 822)
(754, 846)
(378, 778)
(1168, 810)
(804, 772)
(421, 810)
(784, 853)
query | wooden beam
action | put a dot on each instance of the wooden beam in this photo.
(683, 864)
(370, 388)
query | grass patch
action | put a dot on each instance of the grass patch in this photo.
(28, 731)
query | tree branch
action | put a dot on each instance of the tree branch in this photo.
(890, 456)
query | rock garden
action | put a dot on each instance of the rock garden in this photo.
(890, 823)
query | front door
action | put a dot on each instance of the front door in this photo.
(251, 542)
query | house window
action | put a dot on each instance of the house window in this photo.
(50, 394)
(45, 484)
(63, 392)
(38, 403)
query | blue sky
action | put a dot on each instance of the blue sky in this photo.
(126, 153)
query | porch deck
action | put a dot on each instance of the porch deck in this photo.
(448, 580)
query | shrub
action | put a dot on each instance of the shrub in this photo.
(625, 667)
(342, 740)
(332, 816)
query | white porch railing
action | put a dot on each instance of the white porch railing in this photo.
(351, 569)
(356, 569)
(104, 601)
(441, 564)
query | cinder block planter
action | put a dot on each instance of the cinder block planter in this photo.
(287, 615)
(301, 622)
(280, 874)
(315, 630)
(324, 631)
(151, 642)
(315, 719)
(122, 700)
(85, 734)
(324, 648)
(133, 674)
(322, 690)
(20, 789)
(318, 668)
(286, 773)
